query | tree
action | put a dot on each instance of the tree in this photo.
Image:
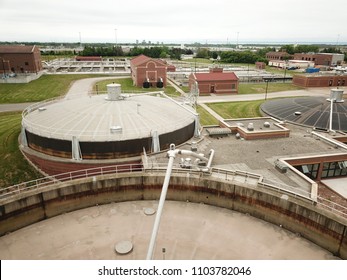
(331, 50)
(287, 48)
(202, 53)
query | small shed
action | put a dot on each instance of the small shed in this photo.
(260, 65)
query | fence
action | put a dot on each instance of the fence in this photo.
(251, 179)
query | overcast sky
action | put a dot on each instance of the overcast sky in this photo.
(291, 21)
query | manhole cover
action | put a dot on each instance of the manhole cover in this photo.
(149, 211)
(123, 247)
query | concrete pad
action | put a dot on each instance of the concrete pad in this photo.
(338, 185)
(187, 231)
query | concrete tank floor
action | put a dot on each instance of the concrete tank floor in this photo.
(187, 231)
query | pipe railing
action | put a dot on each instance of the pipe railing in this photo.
(223, 174)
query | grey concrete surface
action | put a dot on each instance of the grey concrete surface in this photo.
(187, 231)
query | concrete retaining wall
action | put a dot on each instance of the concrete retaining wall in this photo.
(297, 215)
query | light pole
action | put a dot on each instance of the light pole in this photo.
(3, 66)
(285, 69)
(267, 80)
(115, 36)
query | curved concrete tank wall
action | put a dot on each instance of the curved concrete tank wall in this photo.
(297, 215)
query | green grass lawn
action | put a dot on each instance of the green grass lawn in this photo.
(233, 110)
(261, 87)
(206, 118)
(14, 168)
(46, 87)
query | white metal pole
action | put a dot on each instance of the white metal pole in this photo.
(172, 154)
(331, 115)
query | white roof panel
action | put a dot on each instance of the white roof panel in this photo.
(90, 118)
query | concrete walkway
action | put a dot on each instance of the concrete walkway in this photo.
(78, 88)
(18, 107)
(84, 86)
(260, 96)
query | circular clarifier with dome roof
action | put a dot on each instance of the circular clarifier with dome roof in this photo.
(112, 126)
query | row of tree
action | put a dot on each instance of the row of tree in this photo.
(102, 51)
(154, 52)
(201, 52)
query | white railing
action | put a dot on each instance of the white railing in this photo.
(224, 174)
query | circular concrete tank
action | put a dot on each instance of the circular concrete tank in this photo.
(105, 127)
(187, 231)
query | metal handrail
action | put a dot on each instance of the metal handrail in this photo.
(49, 181)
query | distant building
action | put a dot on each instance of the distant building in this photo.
(318, 80)
(88, 58)
(298, 64)
(260, 65)
(277, 56)
(20, 59)
(217, 82)
(148, 72)
(326, 59)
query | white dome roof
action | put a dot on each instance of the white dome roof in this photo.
(95, 118)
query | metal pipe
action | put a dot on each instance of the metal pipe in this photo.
(331, 115)
(190, 153)
(172, 154)
(210, 159)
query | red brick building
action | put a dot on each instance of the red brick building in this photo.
(320, 80)
(216, 81)
(326, 59)
(260, 65)
(278, 56)
(20, 59)
(148, 72)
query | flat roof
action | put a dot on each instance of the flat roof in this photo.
(216, 76)
(259, 124)
(259, 156)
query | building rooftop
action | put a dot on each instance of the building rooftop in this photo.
(259, 156)
(143, 58)
(95, 118)
(16, 49)
(215, 76)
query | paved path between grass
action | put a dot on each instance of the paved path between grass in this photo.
(78, 88)
(259, 96)
(14, 107)
(85, 86)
